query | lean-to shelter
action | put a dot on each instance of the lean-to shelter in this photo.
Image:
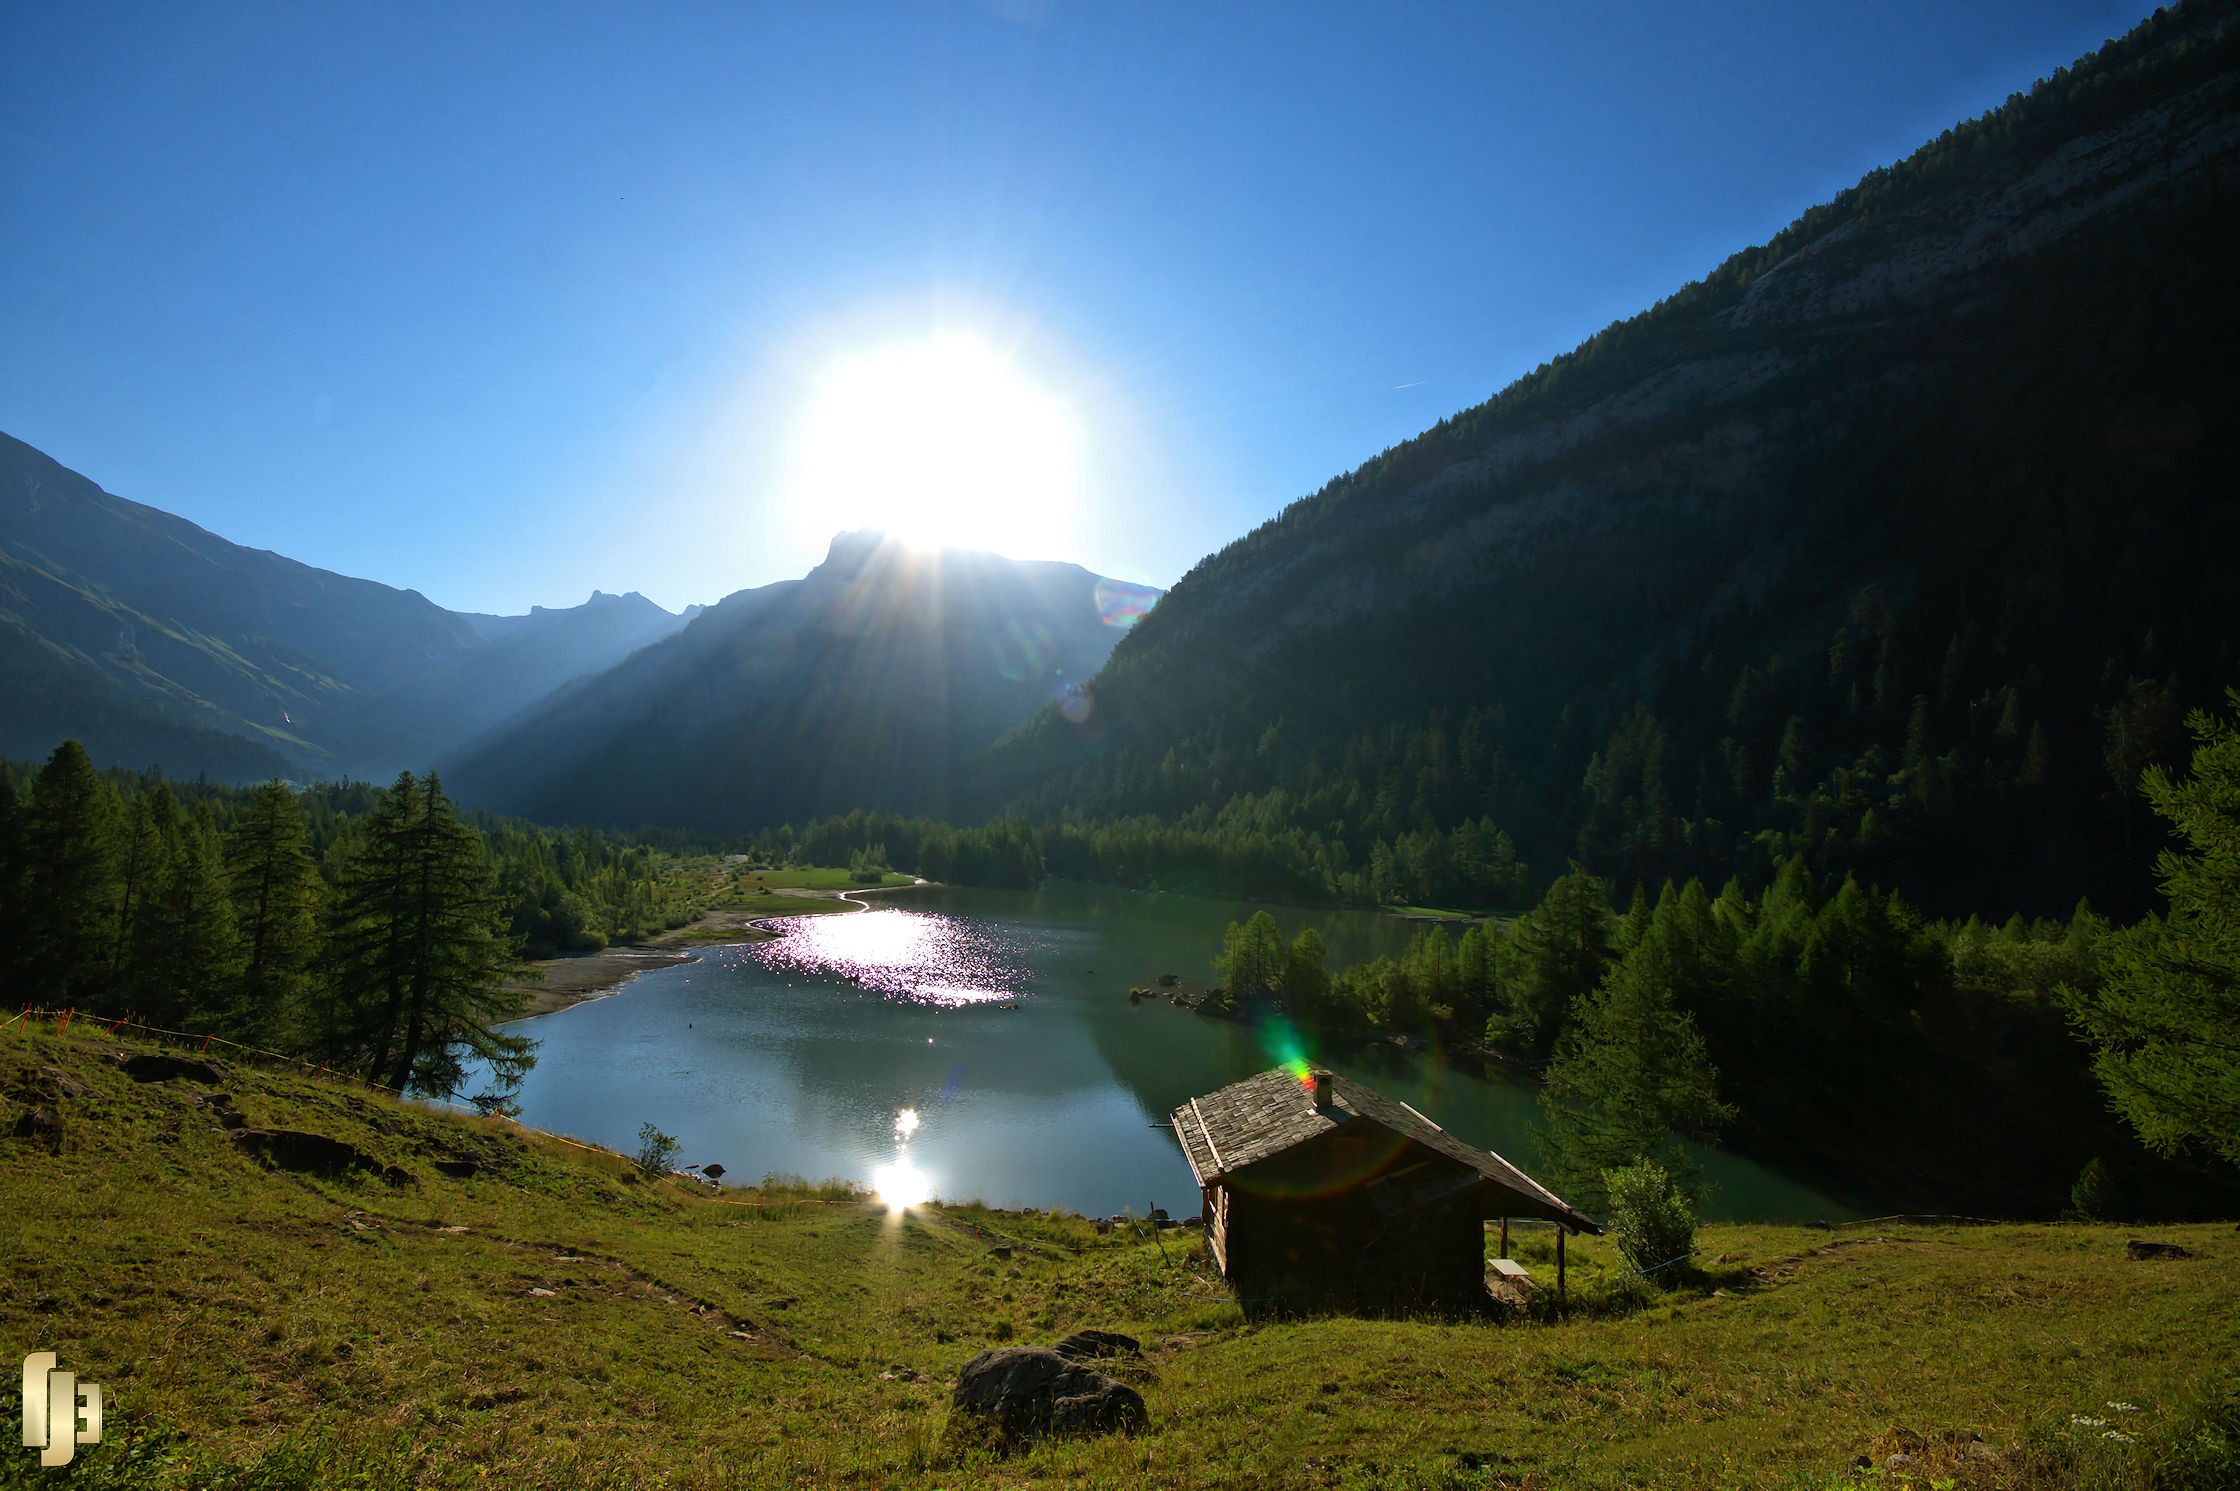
(1320, 1193)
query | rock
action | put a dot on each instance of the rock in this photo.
(41, 1124)
(313, 1154)
(1088, 1345)
(1899, 1461)
(1030, 1393)
(160, 1066)
(2140, 1248)
(458, 1169)
(1169, 980)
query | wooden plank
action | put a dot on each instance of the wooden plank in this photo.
(1207, 1130)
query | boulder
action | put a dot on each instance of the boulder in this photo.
(161, 1066)
(2140, 1248)
(1028, 1393)
(313, 1154)
(1089, 1345)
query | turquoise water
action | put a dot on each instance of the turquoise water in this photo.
(974, 1043)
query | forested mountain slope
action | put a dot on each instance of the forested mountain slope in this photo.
(1902, 542)
(861, 686)
(156, 642)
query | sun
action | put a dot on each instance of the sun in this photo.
(941, 442)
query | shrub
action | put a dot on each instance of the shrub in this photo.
(656, 1151)
(1651, 1219)
(2096, 1197)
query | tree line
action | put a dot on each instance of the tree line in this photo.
(1841, 1033)
(373, 930)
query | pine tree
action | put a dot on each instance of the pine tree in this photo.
(1555, 954)
(275, 897)
(2165, 1020)
(69, 879)
(1306, 971)
(419, 949)
(147, 826)
(11, 892)
(1629, 1081)
(187, 954)
(1251, 964)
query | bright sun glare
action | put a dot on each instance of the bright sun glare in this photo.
(901, 1185)
(942, 442)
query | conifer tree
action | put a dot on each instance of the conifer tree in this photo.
(1557, 953)
(146, 827)
(1629, 1081)
(187, 951)
(275, 896)
(2165, 1020)
(419, 949)
(11, 889)
(1251, 963)
(69, 879)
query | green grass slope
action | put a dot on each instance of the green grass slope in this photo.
(552, 1321)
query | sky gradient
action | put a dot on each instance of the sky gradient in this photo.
(506, 302)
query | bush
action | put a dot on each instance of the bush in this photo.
(2096, 1197)
(656, 1151)
(1651, 1219)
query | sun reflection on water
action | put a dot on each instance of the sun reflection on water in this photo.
(901, 1185)
(913, 956)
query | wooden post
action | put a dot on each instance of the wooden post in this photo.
(1561, 1233)
(1504, 1237)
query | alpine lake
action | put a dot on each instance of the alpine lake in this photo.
(967, 1043)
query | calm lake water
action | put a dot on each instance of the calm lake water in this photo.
(981, 1044)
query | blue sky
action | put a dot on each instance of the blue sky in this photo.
(506, 302)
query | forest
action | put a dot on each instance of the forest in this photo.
(2022, 1068)
(1914, 586)
(373, 930)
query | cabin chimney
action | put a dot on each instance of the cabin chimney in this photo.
(1324, 1081)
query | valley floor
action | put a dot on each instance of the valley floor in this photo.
(551, 1320)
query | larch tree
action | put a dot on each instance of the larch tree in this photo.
(275, 898)
(1629, 1081)
(69, 864)
(420, 950)
(2165, 1019)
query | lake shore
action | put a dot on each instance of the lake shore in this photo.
(574, 978)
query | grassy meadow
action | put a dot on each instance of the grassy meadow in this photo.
(554, 1320)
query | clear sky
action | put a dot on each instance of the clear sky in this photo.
(504, 302)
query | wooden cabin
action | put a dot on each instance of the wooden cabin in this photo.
(1320, 1193)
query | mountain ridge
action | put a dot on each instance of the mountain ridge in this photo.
(864, 684)
(1869, 479)
(157, 641)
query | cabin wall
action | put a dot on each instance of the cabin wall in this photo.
(1337, 1253)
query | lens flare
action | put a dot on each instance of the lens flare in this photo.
(1122, 605)
(905, 1124)
(1076, 703)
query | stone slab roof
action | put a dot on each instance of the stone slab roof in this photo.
(1226, 1133)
